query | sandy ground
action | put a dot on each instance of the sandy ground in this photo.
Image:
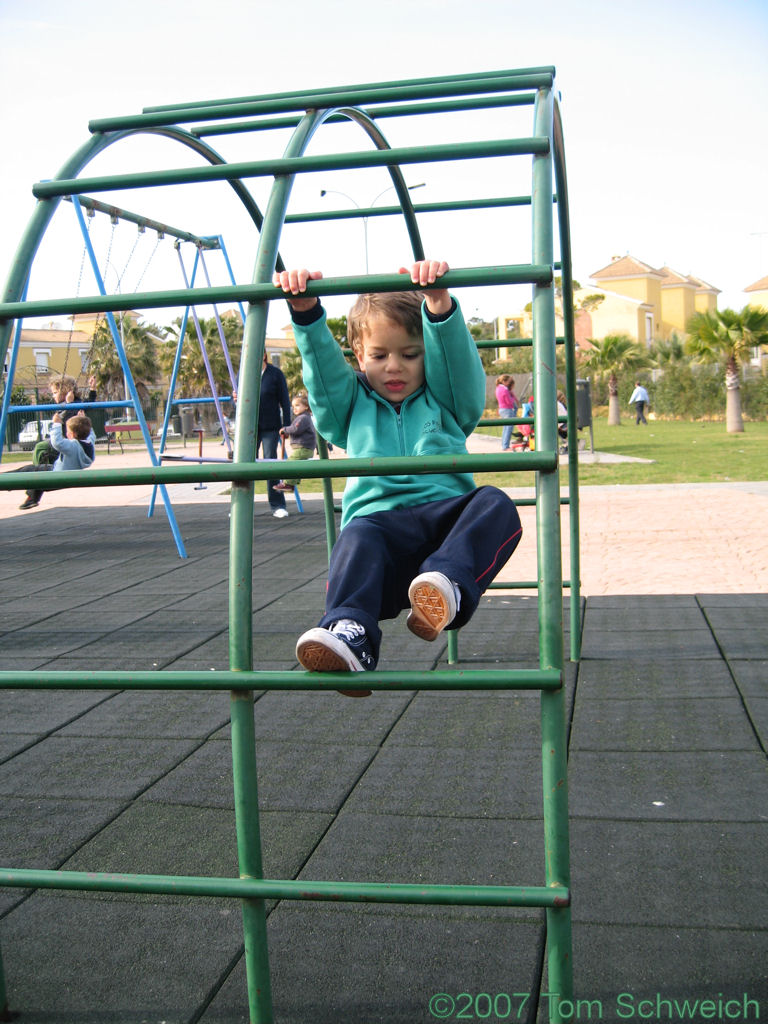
(674, 539)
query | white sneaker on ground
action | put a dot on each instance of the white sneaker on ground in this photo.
(280, 513)
(434, 601)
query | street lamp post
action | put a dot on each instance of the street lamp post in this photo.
(333, 192)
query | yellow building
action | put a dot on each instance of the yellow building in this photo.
(647, 303)
(758, 293)
(668, 298)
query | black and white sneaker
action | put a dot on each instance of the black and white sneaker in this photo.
(344, 647)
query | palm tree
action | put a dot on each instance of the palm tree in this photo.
(726, 335)
(139, 342)
(670, 353)
(613, 355)
(192, 380)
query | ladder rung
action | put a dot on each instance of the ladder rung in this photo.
(445, 679)
(291, 889)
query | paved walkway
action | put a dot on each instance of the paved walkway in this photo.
(668, 716)
(634, 540)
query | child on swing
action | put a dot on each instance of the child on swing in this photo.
(431, 543)
(75, 451)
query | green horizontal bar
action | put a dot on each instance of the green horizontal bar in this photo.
(319, 101)
(389, 211)
(294, 165)
(462, 278)
(511, 342)
(310, 95)
(290, 889)
(122, 679)
(521, 584)
(375, 113)
(266, 470)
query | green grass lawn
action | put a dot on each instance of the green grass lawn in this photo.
(683, 452)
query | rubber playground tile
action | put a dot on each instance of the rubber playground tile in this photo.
(631, 601)
(450, 781)
(737, 616)
(654, 680)
(477, 644)
(362, 846)
(670, 865)
(81, 961)
(299, 718)
(13, 743)
(757, 709)
(143, 651)
(307, 777)
(745, 644)
(653, 786)
(171, 839)
(733, 600)
(144, 714)
(329, 966)
(626, 973)
(628, 644)
(751, 676)
(645, 617)
(486, 723)
(666, 724)
(42, 833)
(102, 769)
(44, 711)
(34, 643)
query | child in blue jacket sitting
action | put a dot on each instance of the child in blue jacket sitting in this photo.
(76, 451)
(431, 542)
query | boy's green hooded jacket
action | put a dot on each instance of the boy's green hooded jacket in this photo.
(435, 420)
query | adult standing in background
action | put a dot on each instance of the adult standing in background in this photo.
(274, 413)
(639, 398)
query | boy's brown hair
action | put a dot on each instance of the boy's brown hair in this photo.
(80, 426)
(402, 308)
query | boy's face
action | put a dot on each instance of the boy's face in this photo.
(298, 407)
(392, 360)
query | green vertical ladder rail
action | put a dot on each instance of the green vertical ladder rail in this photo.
(309, 111)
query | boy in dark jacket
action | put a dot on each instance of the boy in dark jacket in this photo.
(300, 435)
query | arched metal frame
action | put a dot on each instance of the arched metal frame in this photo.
(546, 148)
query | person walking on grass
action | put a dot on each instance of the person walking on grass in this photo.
(639, 398)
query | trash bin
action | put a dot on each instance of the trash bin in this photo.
(176, 423)
(583, 404)
(187, 421)
(584, 409)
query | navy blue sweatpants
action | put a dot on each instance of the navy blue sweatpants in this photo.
(376, 557)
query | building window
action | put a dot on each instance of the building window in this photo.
(84, 353)
(42, 360)
(649, 329)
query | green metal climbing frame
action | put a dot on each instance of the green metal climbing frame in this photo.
(305, 113)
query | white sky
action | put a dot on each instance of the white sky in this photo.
(663, 107)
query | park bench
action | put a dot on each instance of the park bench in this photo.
(116, 430)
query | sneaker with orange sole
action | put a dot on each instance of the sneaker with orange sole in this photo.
(434, 603)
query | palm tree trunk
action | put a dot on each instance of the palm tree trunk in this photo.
(614, 409)
(734, 424)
